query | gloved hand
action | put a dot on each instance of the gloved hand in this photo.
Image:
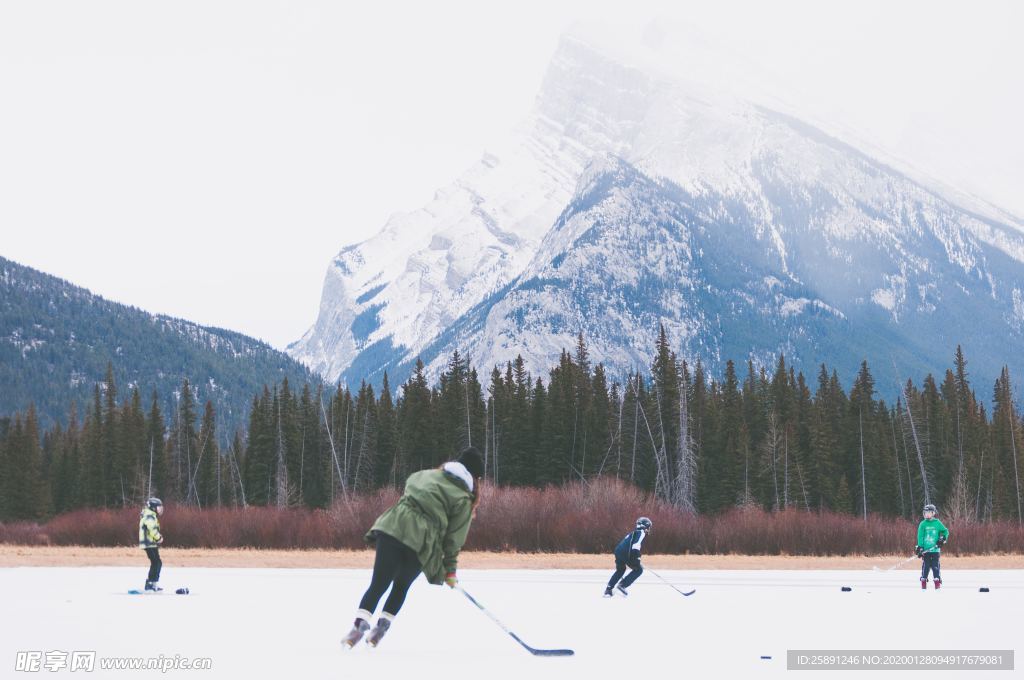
(918, 550)
(451, 580)
(941, 542)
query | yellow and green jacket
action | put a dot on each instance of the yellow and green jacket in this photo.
(149, 529)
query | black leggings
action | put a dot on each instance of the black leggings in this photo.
(154, 564)
(620, 569)
(395, 565)
(930, 560)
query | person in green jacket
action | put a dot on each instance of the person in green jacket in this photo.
(150, 539)
(931, 536)
(422, 532)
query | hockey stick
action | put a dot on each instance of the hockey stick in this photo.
(531, 650)
(898, 564)
(686, 594)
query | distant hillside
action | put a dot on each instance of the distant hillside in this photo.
(56, 341)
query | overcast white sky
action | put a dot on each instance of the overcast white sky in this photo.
(208, 159)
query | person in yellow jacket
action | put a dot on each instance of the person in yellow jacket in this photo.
(150, 539)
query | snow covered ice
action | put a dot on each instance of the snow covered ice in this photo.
(271, 623)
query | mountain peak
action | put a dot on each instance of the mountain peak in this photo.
(630, 199)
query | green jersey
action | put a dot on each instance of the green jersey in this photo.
(928, 533)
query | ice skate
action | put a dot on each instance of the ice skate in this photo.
(374, 638)
(359, 628)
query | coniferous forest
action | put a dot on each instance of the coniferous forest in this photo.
(769, 438)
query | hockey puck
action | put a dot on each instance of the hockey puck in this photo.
(847, 589)
(181, 591)
(766, 657)
(983, 589)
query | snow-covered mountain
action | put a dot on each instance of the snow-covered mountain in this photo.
(630, 199)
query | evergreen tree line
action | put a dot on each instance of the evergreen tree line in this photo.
(754, 437)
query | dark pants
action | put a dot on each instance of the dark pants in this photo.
(620, 569)
(930, 560)
(395, 565)
(154, 564)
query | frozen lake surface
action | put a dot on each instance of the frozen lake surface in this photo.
(287, 623)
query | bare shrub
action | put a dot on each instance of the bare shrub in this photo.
(584, 517)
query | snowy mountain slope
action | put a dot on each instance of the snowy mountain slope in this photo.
(628, 199)
(631, 252)
(424, 269)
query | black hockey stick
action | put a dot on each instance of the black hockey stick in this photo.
(686, 594)
(531, 650)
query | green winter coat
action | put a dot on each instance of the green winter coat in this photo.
(432, 517)
(928, 532)
(149, 529)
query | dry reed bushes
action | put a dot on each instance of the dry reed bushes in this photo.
(582, 518)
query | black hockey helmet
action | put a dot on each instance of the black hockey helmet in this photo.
(930, 508)
(644, 523)
(470, 457)
(154, 503)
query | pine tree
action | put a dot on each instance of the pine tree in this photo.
(365, 441)
(205, 483)
(113, 485)
(238, 482)
(417, 432)
(386, 471)
(455, 409)
(665, 384)
(314, 450)
(26, 496)
(583, 400)
(599, 423)
(860, 446)
(1006, 464)
(562, 425)
(538, 444)
(184, 446)
(495, 427)
(93, 485)
(256, 466)
(825, 473)
(155, 452)
(475, 409)
(132, 448)
(66, 468)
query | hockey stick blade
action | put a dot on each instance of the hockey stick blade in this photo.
(551, 652)
(669, 584)
(538, 652)
(531, 650)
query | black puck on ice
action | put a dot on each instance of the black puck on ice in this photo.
(983, 589)
(181, 591)
(847, 589)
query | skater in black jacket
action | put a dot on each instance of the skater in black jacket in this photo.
(627, 554)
